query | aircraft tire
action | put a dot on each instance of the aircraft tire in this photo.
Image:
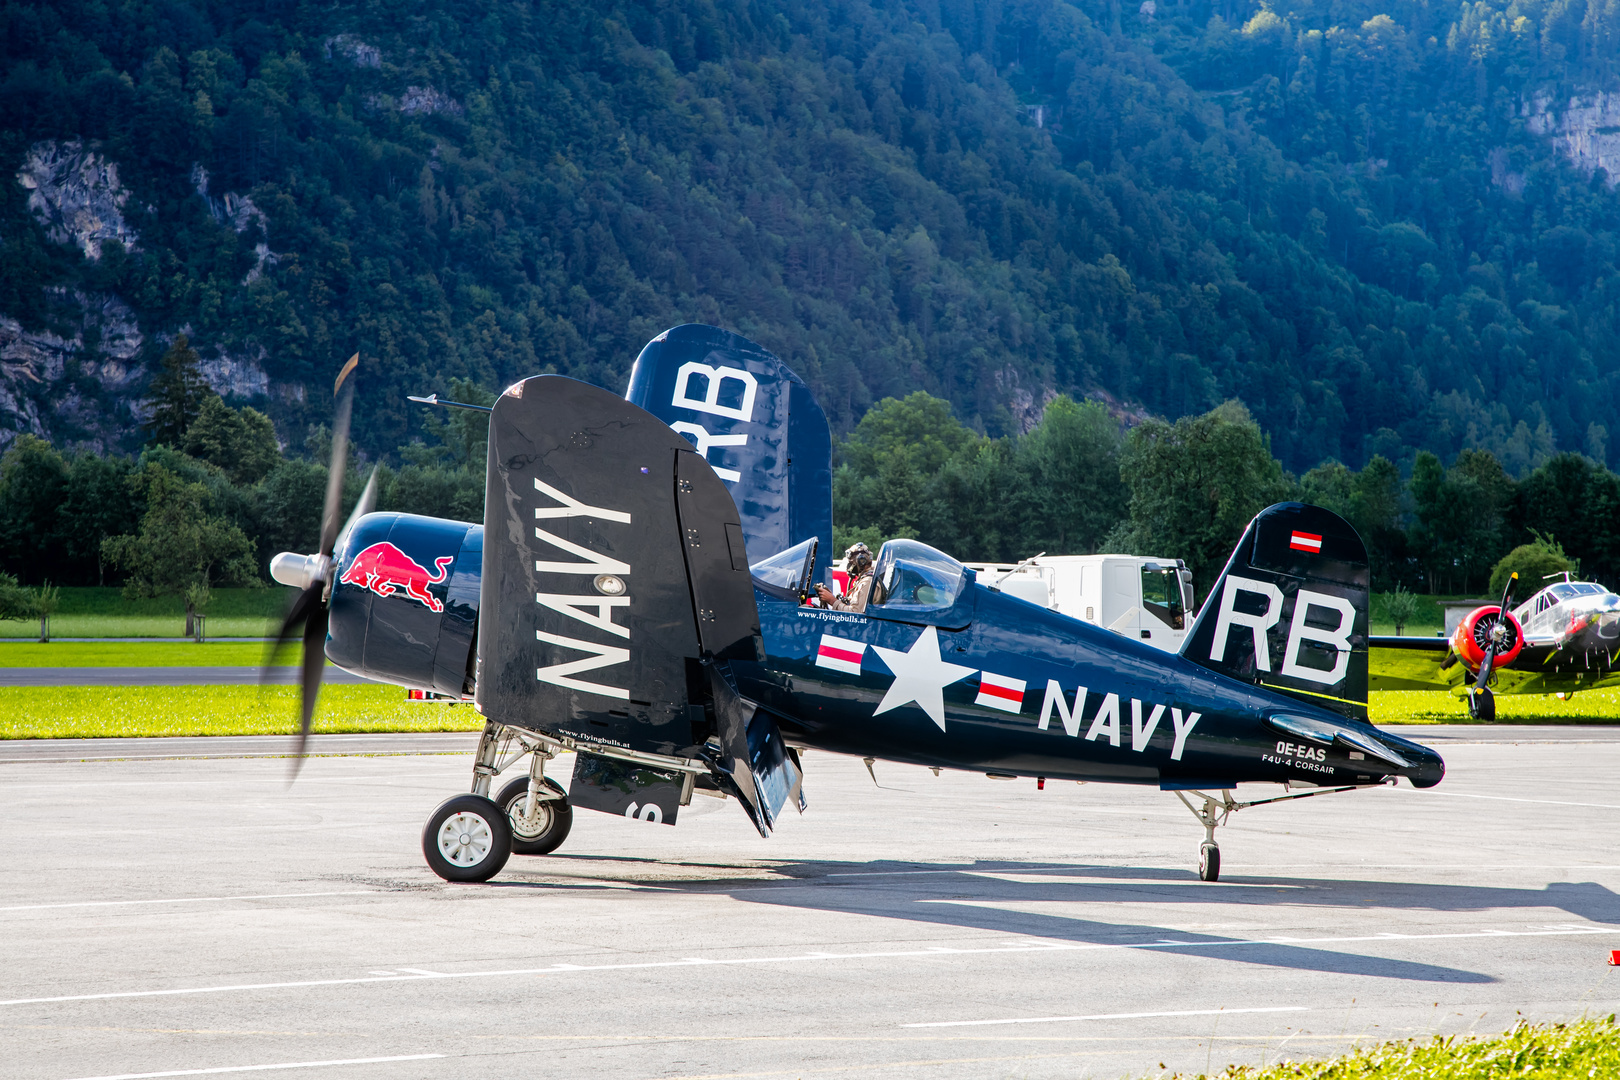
(556, 818)
(1209, 862)
(467, 839)
(1482, 706)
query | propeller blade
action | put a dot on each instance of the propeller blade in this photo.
(1499, 621)
(1485, 667)
(306, 602)
(368, 499)
(344, 391)
(1507, 591)
(314, 664)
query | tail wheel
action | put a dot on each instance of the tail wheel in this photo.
(552, 820)
(467, 839)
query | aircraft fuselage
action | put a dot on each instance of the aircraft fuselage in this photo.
(1021, 690)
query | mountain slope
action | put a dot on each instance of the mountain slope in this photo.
(1347, 223)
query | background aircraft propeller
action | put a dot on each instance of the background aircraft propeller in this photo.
(1497, 635)
(312, 607)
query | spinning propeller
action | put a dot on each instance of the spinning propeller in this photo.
(313, 573)
(1495, 633)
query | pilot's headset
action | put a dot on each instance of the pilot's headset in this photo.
(857, 560)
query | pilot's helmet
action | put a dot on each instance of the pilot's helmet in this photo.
(858, 558)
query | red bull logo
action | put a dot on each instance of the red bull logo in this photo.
(384, 569)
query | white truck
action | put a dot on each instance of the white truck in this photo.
(1139, 596)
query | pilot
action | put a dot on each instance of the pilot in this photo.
(858, 561)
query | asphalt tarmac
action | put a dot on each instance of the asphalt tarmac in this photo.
(173, 909)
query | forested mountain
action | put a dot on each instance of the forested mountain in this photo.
(1380, 224)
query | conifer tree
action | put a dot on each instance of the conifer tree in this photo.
(177, 395)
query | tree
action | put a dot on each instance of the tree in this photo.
(1578, 501)
(1534, 562)
(1399, 607)
(1375, 511)
(16, 601)
(33, 487)
(1195, 485)
(1460, 517)
(1074, 491)
(288, 506)
(919, 427)
(242, 442)
(97, 505)
(180, 548)
(177, 395)
(45, 600)
(890, 461)
(20, 603)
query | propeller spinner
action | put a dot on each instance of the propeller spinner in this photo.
(313, 573)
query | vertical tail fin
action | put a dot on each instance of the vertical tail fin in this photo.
(754, 421)
(1290, 609)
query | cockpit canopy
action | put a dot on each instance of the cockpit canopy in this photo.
(912, 577)
(1543, 609)
(787, 574)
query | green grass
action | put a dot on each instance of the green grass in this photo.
(1586, 1048)
(103, 612)
(1441, 707)
(104, 712)
(141, 654)
(118, 626)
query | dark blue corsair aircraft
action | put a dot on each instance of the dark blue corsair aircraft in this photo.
(615, 603)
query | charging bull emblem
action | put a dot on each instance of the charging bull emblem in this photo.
(384, 569)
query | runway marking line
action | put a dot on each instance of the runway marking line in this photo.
(1107, 1016)
(185, 900)
(266, 1068)
(1543, 802)
(691, 962)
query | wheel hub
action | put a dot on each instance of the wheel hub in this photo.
(517, 813)
(465, 839)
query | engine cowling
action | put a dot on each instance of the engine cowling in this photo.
(1474, 634)
(415, 581)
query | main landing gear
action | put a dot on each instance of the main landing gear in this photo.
(1213, 812)
(470, 837)
(1482, 704)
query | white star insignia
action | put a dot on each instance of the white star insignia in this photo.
(920, 676)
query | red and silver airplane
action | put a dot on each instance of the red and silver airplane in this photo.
(1564, 638)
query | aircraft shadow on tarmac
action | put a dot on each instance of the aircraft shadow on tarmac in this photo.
(960, 896)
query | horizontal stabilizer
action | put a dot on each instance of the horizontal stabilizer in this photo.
(1343, 736)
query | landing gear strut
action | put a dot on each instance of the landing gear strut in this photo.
(1482, 704)
(1212, 813)
(470, 837)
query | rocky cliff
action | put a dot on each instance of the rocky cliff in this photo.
(1584, 127)
(78, 380)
